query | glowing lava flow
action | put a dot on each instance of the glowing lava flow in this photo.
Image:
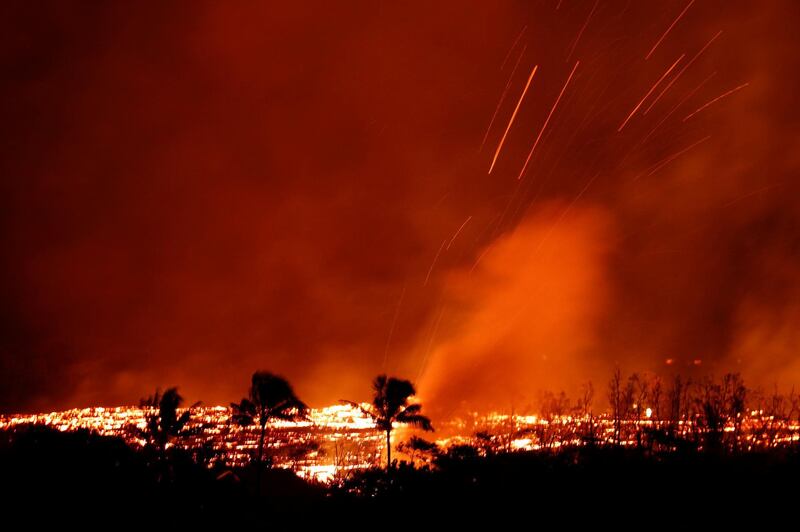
(339, 439)
(335, 438)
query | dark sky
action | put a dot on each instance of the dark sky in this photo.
(192, 191)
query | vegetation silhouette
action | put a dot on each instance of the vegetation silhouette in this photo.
(80, 476)
(419, 450)
(164, 424)
(270, 398)
(390, 405)
(697, 448)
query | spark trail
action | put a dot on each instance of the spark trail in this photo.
(502, 98)
(638, 105)
(653, 49)
(433, 264)
(480, 257)
(676, 107)
(513, 115)
(544, 126)
(430, 345)
(681, 71)
(513, 46)
(665, 161)
(751, 194)
(721, 96)
(458, 232)
(585, 24)
(566, 211)
(391, 329)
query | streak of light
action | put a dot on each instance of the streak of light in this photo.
(505, 211)
(430, 345)
(518, 198)
(638, 105)
(678, 75)
(513, 115)
(480, 257)
(391, 329)
(486, 229)
(566, 210)
(689, 95)
(721, 96)
(502, 97)
(751, 194)
(585, 24)
(589, 117)
(547, 120)
(665, 161)
(441, 200)
(567, 148)
(513, 46)
(430, 270)
(653, 49)
(459, 231)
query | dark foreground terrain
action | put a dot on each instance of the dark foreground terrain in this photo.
(80, 477)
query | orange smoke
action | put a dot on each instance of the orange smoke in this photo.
(526, 315)
(766, 341)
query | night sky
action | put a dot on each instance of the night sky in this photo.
(195, 190)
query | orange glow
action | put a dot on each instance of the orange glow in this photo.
(547, 120)
(258, 185)
(348, 440)
(530, 305)
(511, 120)
(657, 83)
(685, 9)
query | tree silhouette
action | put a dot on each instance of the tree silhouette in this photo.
(583, 408)
(678, 400)
(656, 391)
(615, 399)
(421, 449)
(270, 398)
(163, 424)
(390, 405)
(639, 395)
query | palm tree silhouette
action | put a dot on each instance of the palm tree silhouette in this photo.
(163, 424)
(270, 398)
(390, 405)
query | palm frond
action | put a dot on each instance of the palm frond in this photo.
(182, 421)
(416, 408)
(369, 413)
(416, 420)
(243, 413)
